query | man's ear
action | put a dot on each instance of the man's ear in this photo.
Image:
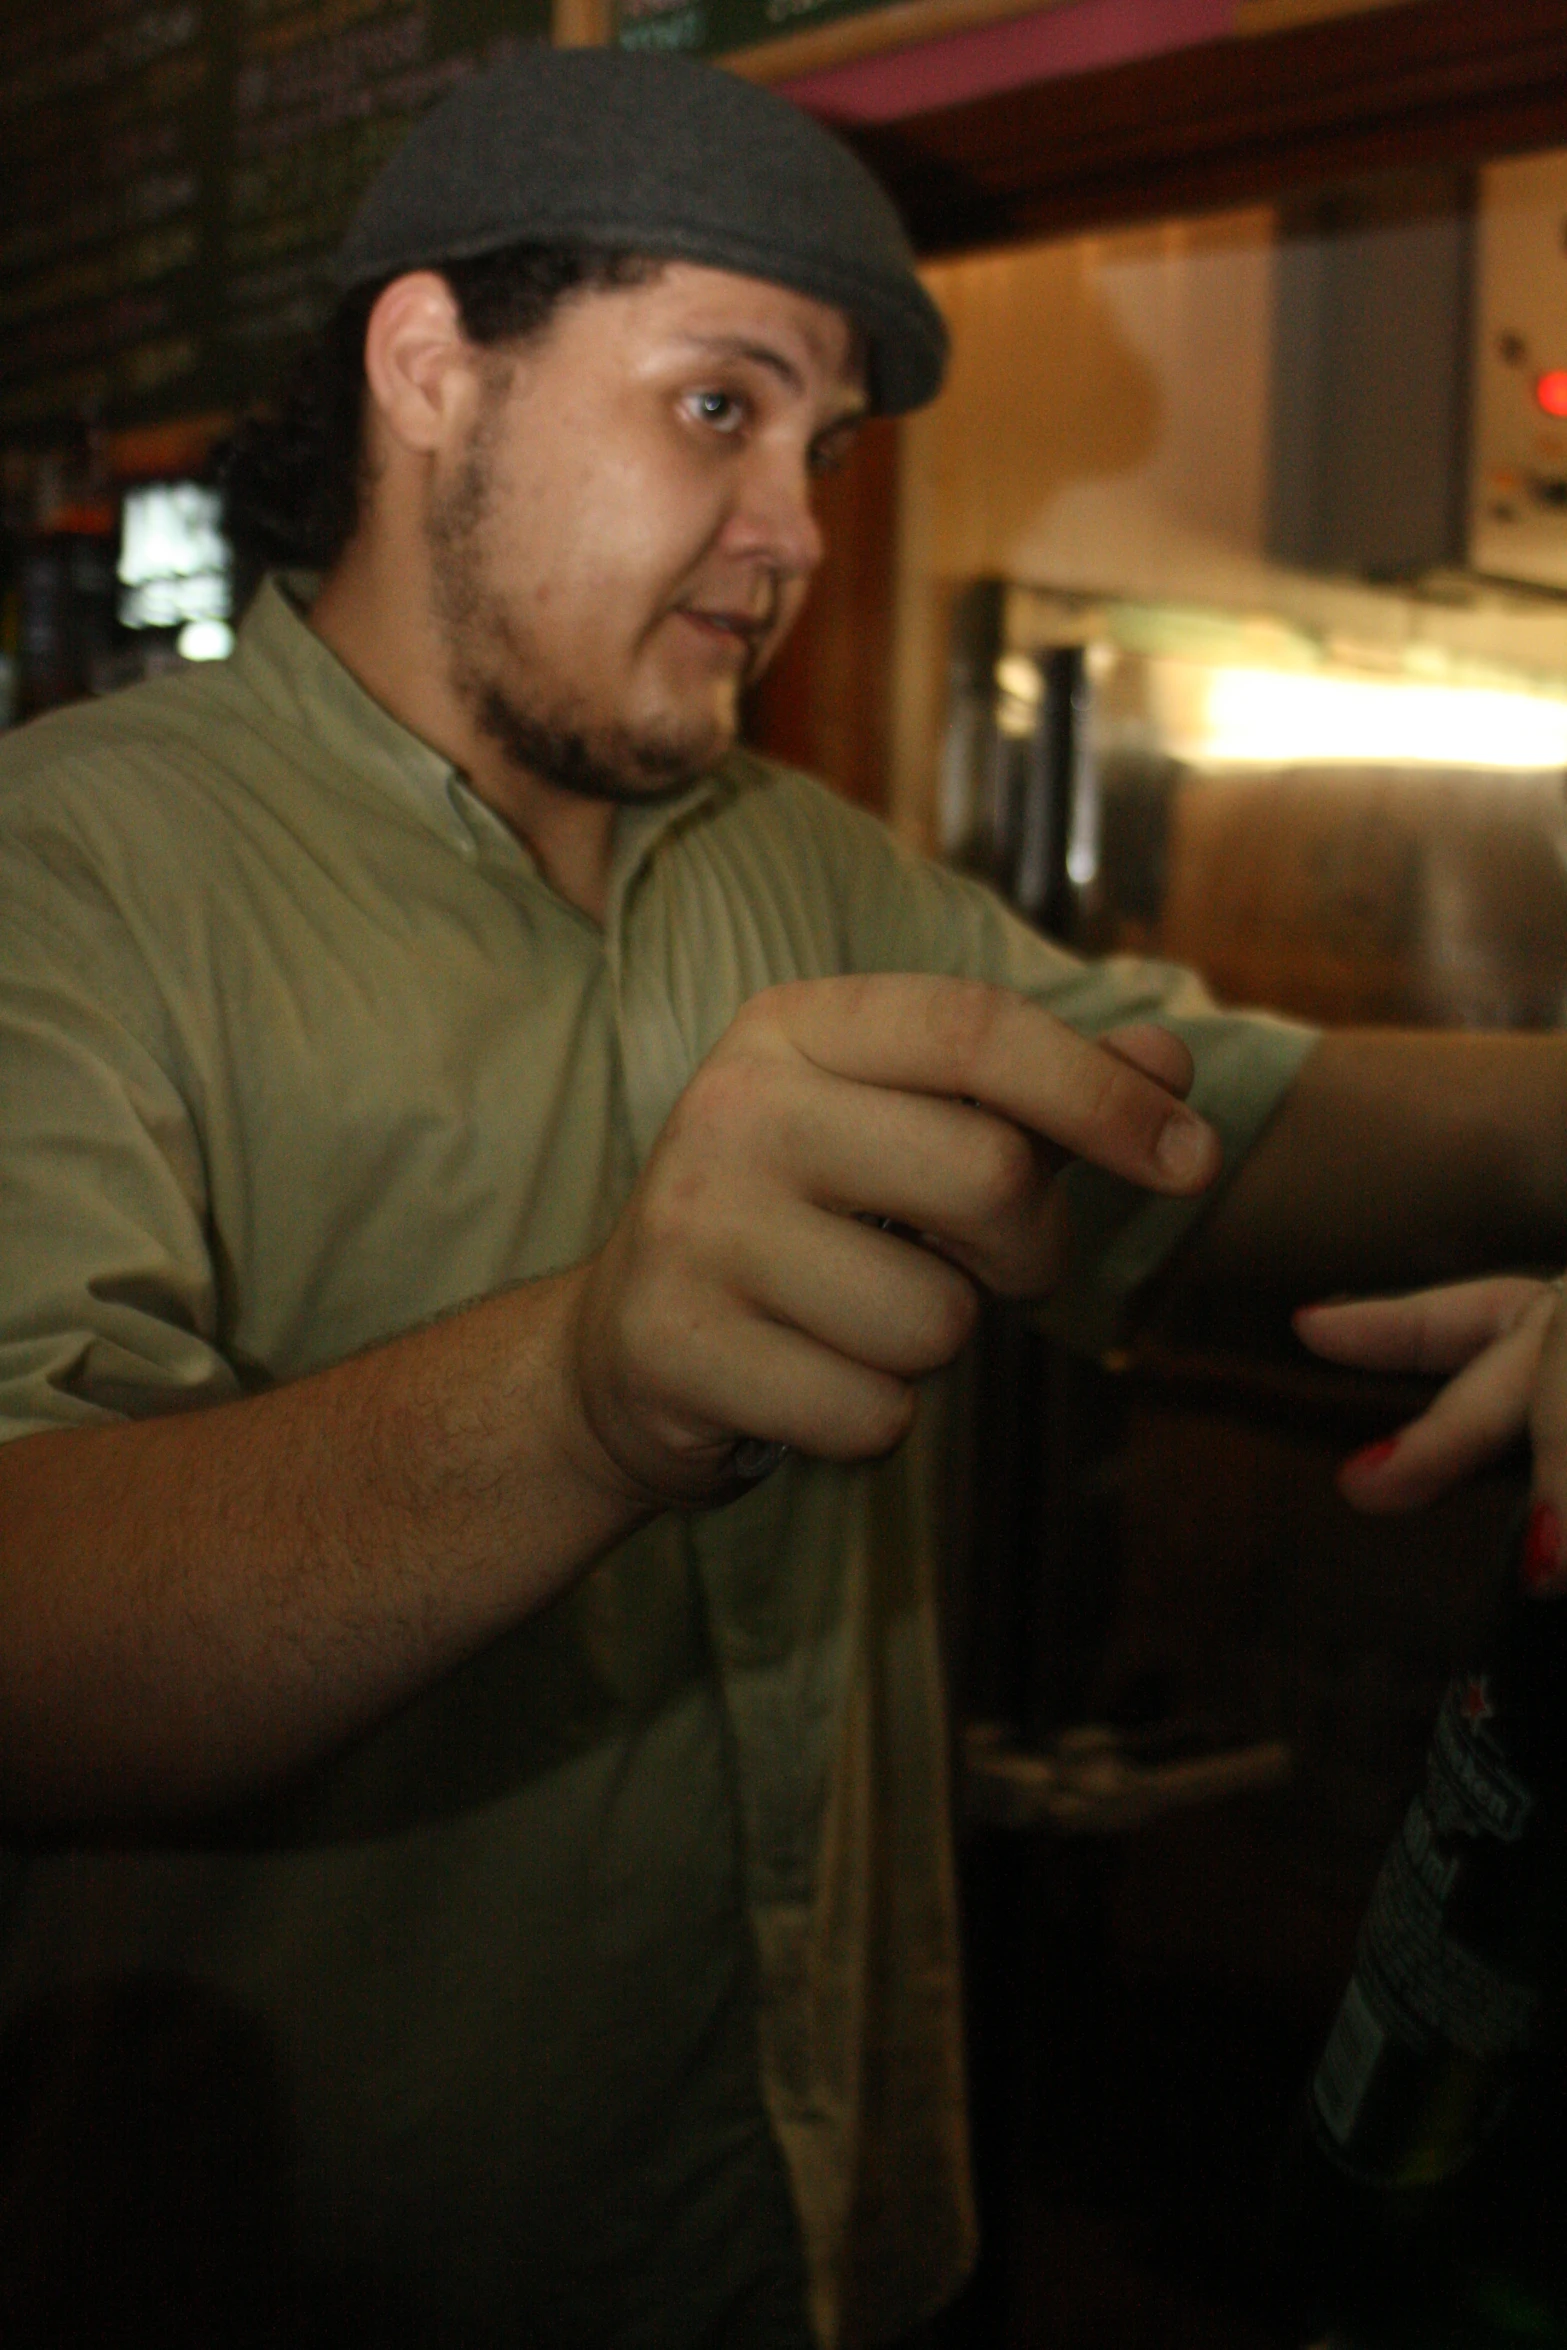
(419, 365)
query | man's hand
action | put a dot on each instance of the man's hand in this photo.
(196, 1604)
(1489, 1333)
(749, 1289)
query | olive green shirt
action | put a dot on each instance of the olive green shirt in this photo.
(298, 1048)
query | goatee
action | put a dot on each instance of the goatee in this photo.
(630, 769)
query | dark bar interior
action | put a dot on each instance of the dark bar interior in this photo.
(1215, 615)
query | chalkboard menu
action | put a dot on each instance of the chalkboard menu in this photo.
(179, 169)
(712, 27)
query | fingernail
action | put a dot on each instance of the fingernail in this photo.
(1542, 1551)
(1370, 1457)
(1183, 1148)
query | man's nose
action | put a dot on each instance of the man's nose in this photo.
(773, 518)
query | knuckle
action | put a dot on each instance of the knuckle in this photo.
(729, 1093)
(963, 1016)
(763, 1010)
(1119, 1107)
(775, 1013)
(1003, 1170)
(956, 1310)
(1107, 1088)
(941, 1321)
(885, 1416)
(666, 1213)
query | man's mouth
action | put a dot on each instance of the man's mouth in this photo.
(737, 628)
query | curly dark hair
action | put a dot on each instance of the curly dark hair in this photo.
(292, 474)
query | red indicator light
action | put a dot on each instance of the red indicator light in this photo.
(1550, 391)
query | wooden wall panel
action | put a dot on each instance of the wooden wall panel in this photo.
(826, 702)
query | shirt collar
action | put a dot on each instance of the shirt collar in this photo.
(297, 675)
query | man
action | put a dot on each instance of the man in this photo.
(488, 1167)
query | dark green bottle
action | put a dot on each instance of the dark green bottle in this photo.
(1389, 2183)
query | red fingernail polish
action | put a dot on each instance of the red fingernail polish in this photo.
(1542, 1551)
(1371, 1457)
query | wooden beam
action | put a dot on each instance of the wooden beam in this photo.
(582, 24)
(1277, 16)
(901, 24)
(1231, 122)
(905, 24)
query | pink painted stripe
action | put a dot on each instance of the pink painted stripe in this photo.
(1042, 48)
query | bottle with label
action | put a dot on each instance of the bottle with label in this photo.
(1433, 2037)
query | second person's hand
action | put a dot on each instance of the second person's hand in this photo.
(1488, 1334)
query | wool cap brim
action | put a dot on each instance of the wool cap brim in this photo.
(663, 156)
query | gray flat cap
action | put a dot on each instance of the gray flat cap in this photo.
(660, 155)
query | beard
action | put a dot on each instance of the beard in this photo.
(610, 763)
(546, 738)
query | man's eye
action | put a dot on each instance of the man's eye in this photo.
(719, 409)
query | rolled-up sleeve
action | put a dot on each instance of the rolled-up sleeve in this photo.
(108, 1298)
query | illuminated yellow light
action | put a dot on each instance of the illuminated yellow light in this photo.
(1248, 717)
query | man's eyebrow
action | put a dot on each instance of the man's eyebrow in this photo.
(768, 356)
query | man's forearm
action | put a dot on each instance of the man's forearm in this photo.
(192, 1607)
(1397, 1157)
